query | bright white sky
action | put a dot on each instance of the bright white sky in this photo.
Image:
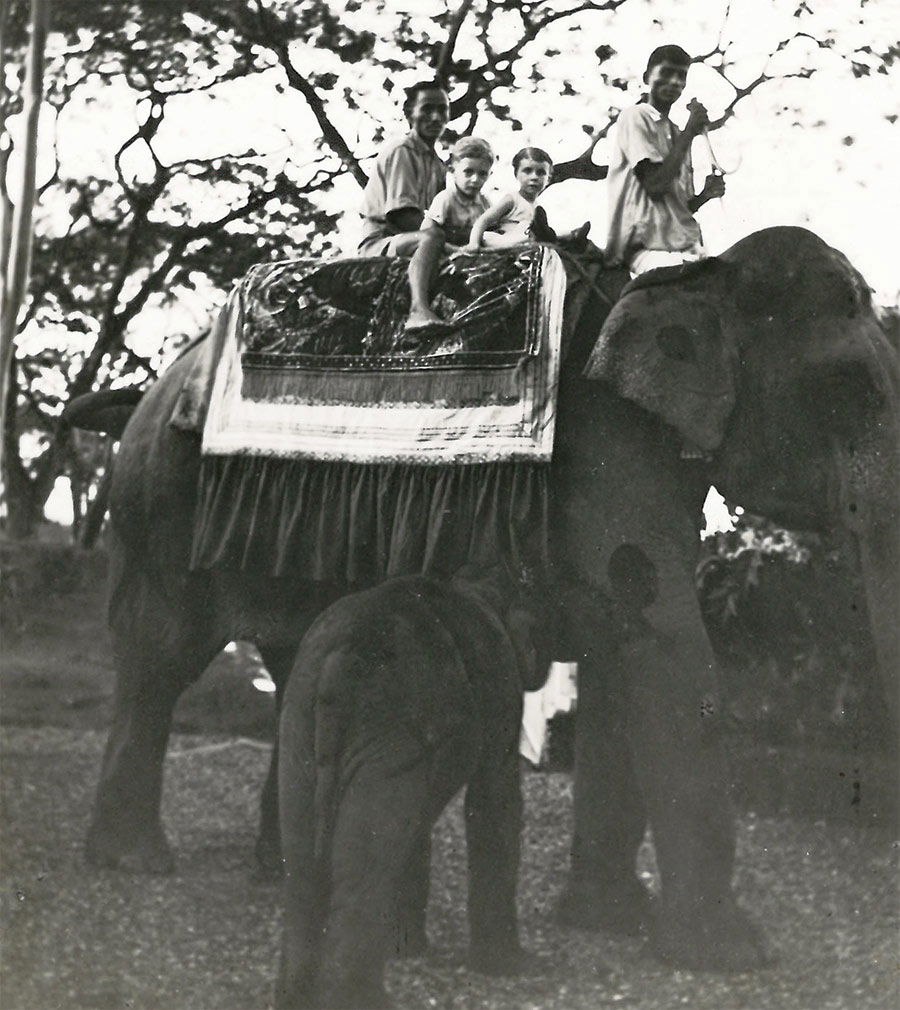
(834, 173)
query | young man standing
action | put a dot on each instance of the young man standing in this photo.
(650, 183)
(406, 177)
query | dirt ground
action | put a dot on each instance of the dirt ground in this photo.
(825, 892)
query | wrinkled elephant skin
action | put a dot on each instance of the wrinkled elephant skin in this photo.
(398, 697)
(771, 358)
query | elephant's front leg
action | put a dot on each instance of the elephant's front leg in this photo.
(674, 729)
(602, 890)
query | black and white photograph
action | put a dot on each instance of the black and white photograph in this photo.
(449, 505)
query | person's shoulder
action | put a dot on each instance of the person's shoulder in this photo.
(440, 201)
(639, 113)
(396, 145)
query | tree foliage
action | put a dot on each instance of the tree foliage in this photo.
(164, 213)
(787, 619)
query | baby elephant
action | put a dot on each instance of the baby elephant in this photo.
(399, 696)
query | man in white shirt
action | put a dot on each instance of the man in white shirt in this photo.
(650, 182)
(406, 177)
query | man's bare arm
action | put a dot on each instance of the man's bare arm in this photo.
(657, 176)
(405, 219)
(713, 188)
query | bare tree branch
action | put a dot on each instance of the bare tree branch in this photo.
(446, 53)
(330, 134)
(145, 195)
(583, 167)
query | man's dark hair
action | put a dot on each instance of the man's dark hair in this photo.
(667, 54)
(413, 92)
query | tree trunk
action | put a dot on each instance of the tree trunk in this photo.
(17, 267)
(96, 511)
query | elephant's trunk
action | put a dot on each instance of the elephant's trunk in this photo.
(868, 471)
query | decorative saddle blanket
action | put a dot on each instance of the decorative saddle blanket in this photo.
(313, 362)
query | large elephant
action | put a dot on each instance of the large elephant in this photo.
(768, 357)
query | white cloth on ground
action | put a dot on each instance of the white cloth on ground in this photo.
(559, 694)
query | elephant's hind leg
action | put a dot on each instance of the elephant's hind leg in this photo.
(410, 936)
(383, 814)
(160, 647)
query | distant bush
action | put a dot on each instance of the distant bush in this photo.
(35, 571)
(787, 619)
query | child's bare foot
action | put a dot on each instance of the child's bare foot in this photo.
(422, 319)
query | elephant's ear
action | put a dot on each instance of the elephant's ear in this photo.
(664, 348)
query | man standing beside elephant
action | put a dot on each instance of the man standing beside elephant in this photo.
(406, 177)
(650, 183)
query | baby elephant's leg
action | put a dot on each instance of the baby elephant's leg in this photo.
(493, 828)
(382, 815)
(410, 938)
(452, 761)
(304, 892)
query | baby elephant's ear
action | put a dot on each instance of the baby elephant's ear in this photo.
(532, 658)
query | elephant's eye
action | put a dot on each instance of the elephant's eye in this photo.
(675, 343)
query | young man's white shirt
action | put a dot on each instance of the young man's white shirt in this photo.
(641, 227)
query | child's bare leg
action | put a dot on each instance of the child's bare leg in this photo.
(494, 240)
(406, 243)
(421, 272)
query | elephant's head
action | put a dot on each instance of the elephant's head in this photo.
(521, 606)
(772, 357)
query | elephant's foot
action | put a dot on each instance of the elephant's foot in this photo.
(718, 937)
(148, 854)
(623, 907)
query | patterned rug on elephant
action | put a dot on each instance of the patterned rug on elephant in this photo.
(313, 362)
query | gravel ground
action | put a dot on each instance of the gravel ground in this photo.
(206, 938)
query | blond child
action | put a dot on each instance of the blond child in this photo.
(448, 224)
